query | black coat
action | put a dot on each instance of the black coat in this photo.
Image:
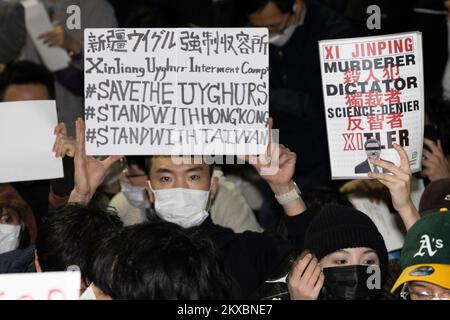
(18, 261)
(296, 100)
(251, 257)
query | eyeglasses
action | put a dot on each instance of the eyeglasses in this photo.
(279, 28)
(420, 294)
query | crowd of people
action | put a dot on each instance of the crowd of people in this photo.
(165, 227)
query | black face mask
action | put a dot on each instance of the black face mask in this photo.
(348, 283)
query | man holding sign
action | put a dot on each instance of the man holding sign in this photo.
(180, 192)
(296, 103)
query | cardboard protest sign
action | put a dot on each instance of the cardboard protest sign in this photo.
(40, 286)
(176, 91)
(38, 23)
(374, 97)
(26, 141)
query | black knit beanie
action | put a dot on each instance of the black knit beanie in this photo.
(338, 227)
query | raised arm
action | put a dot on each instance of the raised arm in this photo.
(89, 172)
(399, 184)
(435, 163)
(277, 167)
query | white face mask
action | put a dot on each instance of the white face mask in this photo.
(280, 40)
(9, 237)
(134, 195)
(184, 207)
(88, 294)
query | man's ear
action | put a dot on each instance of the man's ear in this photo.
(36, 262)
(2, 67)
(214, 188)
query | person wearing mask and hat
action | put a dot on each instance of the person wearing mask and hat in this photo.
(425, 259)
(346, 247)
(346, 260)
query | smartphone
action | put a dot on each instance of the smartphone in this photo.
(431, 132)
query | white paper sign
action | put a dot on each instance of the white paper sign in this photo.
(40, 286)
(38, 23)
(176, 91)
(26, 141)
(374, 97)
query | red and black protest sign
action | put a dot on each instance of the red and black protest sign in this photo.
(373, 94)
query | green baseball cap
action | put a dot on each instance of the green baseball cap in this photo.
(426, 251)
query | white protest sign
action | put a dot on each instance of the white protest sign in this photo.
(26, 141)
(374, 97)
(176, 91)
(40, 286)
(38, 23)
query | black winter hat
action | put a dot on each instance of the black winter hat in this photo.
(436, 196)
(339, 227)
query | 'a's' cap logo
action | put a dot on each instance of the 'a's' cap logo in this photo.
(430, 245)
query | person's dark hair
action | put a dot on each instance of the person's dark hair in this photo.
(9, 199)
(159, 260)
(248, 7)
(139, 161)
(69, 236)
(148, 15)
(26, 72)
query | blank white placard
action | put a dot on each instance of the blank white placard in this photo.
(26, 141)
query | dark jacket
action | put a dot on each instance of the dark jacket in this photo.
(18, 261)
(251, 257)
(296, 100)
